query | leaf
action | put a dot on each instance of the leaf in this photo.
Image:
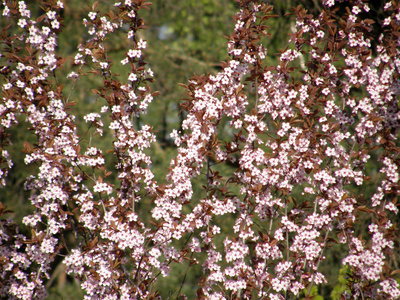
(94, 6)
(27, 148)
(92, 243)
(147, 4)
(69, 104)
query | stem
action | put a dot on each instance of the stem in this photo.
(319, 260)
(102, 204)
(184, 278)
(133, 202)
(315, 205)
(256, 87)
(74, 84)
(270, 225)
(287, 236)
(208, 172)
(362, 295)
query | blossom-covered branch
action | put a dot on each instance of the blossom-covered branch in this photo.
(283, 151)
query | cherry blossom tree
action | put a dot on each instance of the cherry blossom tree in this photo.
(298, 139)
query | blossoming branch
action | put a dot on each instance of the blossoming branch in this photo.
(287, 175)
